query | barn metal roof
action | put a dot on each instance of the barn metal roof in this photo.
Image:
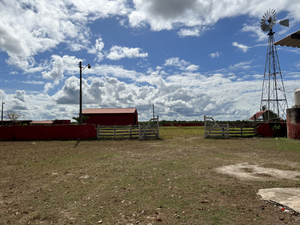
(258, 114)
(42, 122)
(109, 111)
(292, 40)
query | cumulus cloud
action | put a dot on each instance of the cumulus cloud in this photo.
(97, 49)
(176, 62)
(118, 52)
(185, 96)
(175, 97)
(70, 92)
(215, 55)
(257, 32)
(27, 29)
(169, 14)
(20, 95)
(192, 67)
(2, 95)
(244, 48)
(182, 64)
(60, 65)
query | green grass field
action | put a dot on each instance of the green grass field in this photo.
(171, 180)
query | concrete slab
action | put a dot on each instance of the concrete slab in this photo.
(285, 197)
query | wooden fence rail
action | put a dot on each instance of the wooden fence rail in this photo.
(214, 129)
(118, 132)
(243, 130)
(141, 131)
(224, 130)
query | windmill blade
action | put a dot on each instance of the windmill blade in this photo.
(285, 23)
(268, 20)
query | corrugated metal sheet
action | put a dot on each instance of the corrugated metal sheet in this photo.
(109, 111)
(42, 122)
(289, 42)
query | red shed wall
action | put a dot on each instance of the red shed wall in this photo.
(111, 119)
(293, 123)
(54, 132)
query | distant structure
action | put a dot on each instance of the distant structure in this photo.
(50, 122)
(292, 114)
(110, 117)
(273, 97)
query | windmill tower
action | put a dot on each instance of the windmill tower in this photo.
(273, 97)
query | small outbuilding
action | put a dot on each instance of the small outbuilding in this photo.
(110, 117)
(264, 116)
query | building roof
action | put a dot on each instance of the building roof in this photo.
(292, 40)
(258, 114)
(42, 122)
(109, 111)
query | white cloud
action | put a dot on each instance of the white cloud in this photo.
(192, 68)
(257, 32)
(182, 64)
(60, 65)
(33, 82)
(296, 51)
(169, 14)
(244, 48)
(195, 32)
(27, 29)
(97, 49)
(49, 86)
(183, 97)
(241, 65)
(113, 70)
(215, 55)
(20, 95)
(176, 62)
(118, 52)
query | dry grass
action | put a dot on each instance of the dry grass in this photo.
(167, 181)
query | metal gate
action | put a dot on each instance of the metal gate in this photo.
(150, 130)
(214, 129)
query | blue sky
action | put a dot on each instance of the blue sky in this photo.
(190, 58)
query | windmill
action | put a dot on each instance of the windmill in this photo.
(273, 97)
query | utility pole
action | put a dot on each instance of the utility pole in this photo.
(2, 114)
(80, 91)
(153, 109)
(80, 95)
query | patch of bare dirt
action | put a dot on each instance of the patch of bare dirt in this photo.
(246, 171)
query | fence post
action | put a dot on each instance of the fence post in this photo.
(255, 127)
(241, 130)
(98, 132)
(227, 130)
(115, 132)
(157, 135)
(204, 126)
(130, 131)
(139, 131)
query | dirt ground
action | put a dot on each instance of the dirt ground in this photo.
(175, 180)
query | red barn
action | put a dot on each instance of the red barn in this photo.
(109, 117)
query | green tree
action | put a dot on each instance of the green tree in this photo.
(84, 118)
(269, 113)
